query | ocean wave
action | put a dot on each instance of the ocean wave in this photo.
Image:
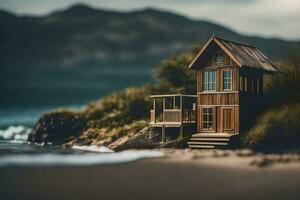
(15, 133)
(93, 148)
(77, 159)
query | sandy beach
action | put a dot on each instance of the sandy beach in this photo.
(180, 174)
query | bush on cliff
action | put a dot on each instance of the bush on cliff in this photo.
(119, 108)
(278, 126)
(58, 127)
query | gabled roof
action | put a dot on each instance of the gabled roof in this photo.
(242, 54)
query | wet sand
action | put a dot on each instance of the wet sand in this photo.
(179, 175)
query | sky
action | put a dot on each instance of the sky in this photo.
(268, 18)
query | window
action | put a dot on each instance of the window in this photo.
(227, 80)
(209, 80)
(172, 102)
(169, 103)
(207, 118)
(241, 83)
(257, 85)
(218, 57)
(177, 102)
(246, 84)
(253, 89)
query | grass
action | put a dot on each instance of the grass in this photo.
(276, 128)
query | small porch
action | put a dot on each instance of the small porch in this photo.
(173, 111)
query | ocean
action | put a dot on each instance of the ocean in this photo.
(16, 151)
(23, 101)
(22, 154)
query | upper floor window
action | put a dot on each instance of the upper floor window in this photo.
(218, 57)
(245, 84)
(257, 85)
(241, 83)
(227, 80)
(209, 80)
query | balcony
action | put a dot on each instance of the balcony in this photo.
(173, 110)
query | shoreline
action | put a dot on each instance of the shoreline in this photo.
(178, 175)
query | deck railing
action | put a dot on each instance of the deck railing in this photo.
(175, 115)
(172, 115)
(152, 116)
(188, 116)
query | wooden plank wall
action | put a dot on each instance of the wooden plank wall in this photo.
(172, 115)
(218, 99)
(219, 120)
(226, 59)
(248, 97)
(219, 78)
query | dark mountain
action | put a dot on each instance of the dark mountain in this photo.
(96, 51)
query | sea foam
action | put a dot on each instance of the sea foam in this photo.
(16, 133)
(93, 148)
(77, 159)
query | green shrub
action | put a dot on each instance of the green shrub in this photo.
(119, 108)
(284, 87)
(276, 128)
(278, 124)
(174, 74)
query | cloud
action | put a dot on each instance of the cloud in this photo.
(262, 17)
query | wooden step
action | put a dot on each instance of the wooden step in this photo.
(201, 146)
(218, 135)
(208, 143)
(208, 139)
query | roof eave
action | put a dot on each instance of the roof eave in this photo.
(215, 39)
(191, 65)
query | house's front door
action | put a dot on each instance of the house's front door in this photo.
(227, 119)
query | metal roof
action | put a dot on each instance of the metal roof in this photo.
(243, 54)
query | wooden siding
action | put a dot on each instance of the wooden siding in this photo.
(229, 119)
(249, 75)
(172, 116)
(221, 121)
(218, 99)
(227, 61)
(219, 78)
(152, 116)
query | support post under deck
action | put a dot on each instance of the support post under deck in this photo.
(163, 134)
(181, 131)
(151, 132)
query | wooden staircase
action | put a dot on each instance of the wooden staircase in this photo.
(211, 140)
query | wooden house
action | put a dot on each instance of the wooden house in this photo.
(229, 91)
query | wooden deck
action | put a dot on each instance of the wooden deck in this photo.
(165, 124)
(173, 111)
